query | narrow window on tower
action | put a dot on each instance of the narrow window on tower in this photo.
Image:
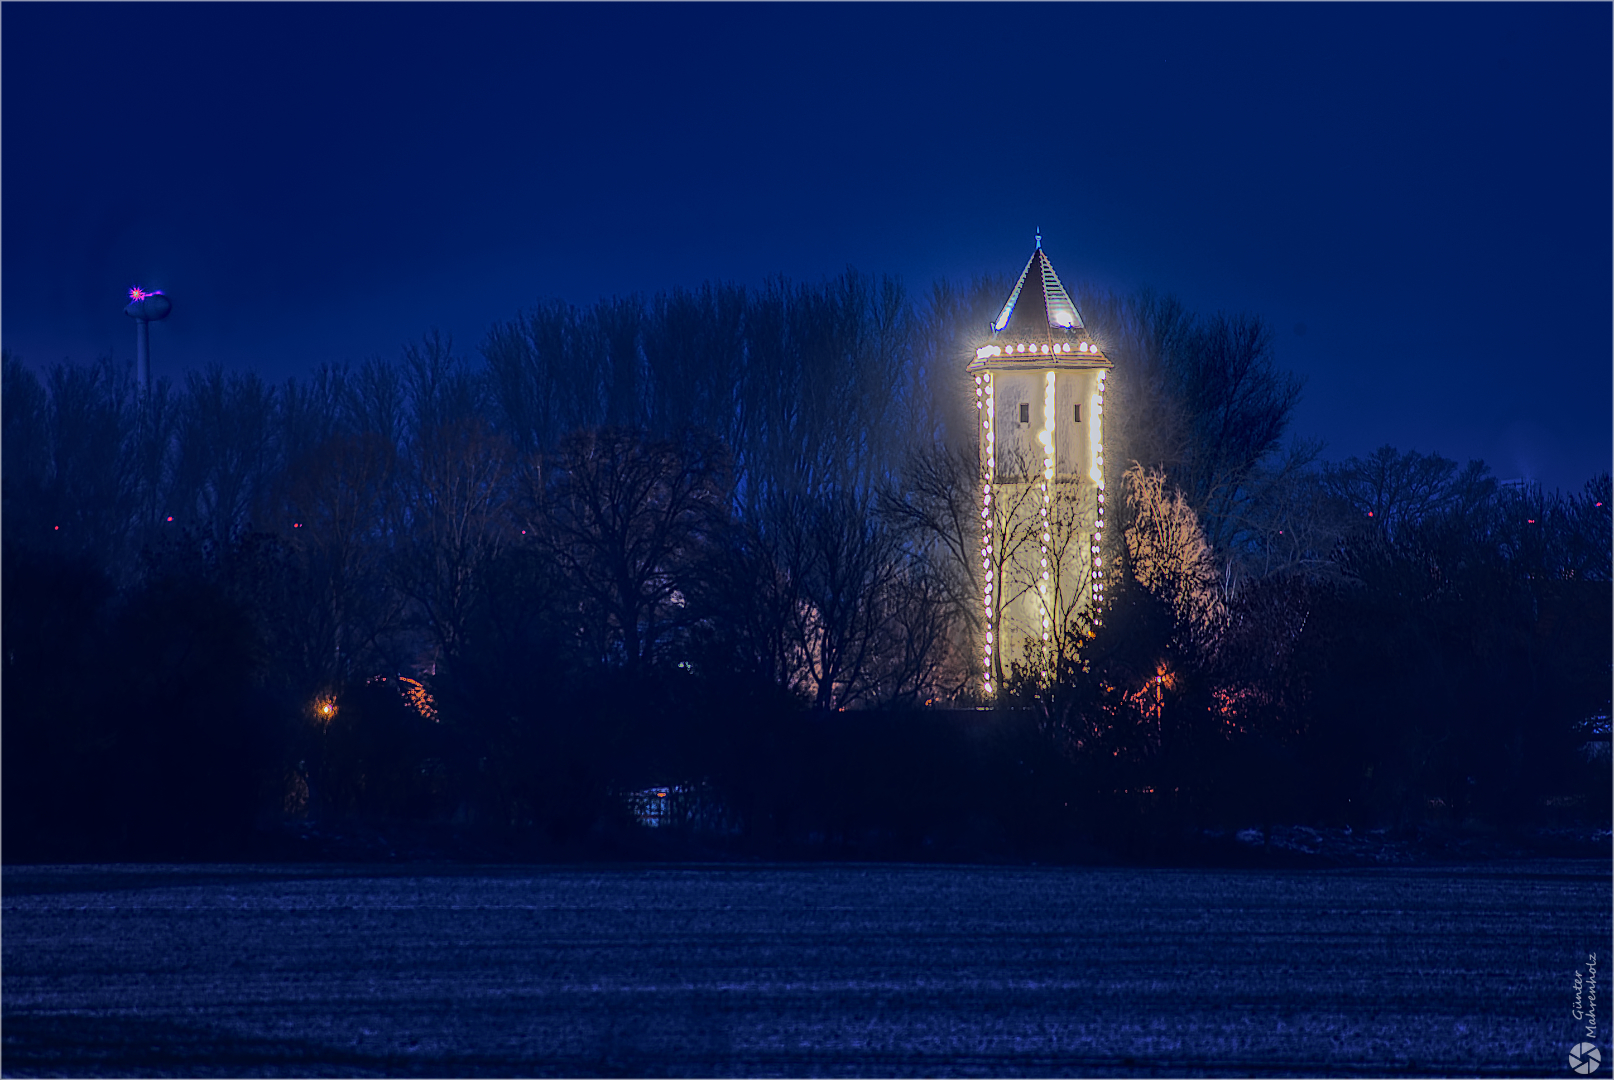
(1025, 412)
(1078, 412)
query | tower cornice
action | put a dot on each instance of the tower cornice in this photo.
(1039, 356)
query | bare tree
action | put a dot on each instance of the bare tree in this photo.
(1012, 533)
(825, 376)
(619, 321)
(225, 457)
(547, 372)
(841, 563)
(1239, 406)
(748, 606)
(624, 519)
(1144, 334)
(456, 485)
(933, 509)
(948, 326)
(864, 625)
(922, 656)
(1287, 525)
(694, 344)
(1070, 596)
(1200, 398)
(1392, 495)
(338, 502)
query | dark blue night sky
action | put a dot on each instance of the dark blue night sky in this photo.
(1423, 189)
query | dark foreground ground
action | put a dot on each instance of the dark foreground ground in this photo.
(792, 970)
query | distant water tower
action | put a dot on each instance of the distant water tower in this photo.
(145, 307)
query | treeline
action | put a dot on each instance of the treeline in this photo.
(722, 541)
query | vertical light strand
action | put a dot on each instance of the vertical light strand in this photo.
(1098, 479)
(984, 404)
(1046, 437)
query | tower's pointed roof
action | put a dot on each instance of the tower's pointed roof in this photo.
(1039, 303)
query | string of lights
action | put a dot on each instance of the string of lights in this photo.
(1046, 437)
(983, 403)
(1096, 434)
(987, 352)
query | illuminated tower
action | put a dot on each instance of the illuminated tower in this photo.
(145, 307)
(1039, 389)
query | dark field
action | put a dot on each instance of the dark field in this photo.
(833, 970)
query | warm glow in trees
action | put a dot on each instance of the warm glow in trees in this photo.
(1169, 554)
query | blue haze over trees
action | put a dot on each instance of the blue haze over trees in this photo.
(721, 540)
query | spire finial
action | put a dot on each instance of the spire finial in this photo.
(1039, 237)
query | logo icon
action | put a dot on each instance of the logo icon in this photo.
(1584, 1058)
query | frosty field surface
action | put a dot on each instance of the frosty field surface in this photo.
(794, 970)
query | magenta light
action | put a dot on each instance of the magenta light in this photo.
(137, 293)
